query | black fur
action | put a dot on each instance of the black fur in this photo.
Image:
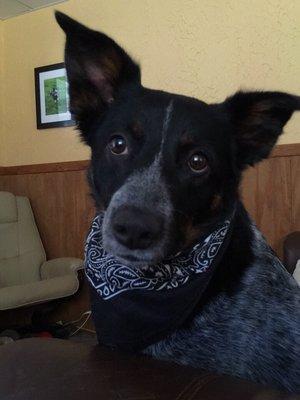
(247, 323)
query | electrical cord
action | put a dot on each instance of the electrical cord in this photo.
(77, 321)
(88, 314)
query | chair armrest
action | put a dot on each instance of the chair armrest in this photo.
(60, 267)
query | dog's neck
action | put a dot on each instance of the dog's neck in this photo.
(143, 304)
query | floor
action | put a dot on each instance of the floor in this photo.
(82, 336)
(85, 337)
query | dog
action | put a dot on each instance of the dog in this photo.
(165, 171)
(54, 94)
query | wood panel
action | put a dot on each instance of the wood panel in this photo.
(43, 168)
(295, 189)
(249, 191)
(274, 200)
(286, 150)
(63, 208)
(271, 195)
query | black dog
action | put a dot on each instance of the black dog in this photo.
(166, 170)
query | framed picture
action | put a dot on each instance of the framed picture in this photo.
(52, 98)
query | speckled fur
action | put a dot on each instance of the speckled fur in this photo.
(144, 189)
(250, 330)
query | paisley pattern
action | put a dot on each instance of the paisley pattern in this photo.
(110, 278)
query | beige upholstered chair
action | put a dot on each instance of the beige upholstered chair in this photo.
(25, 276)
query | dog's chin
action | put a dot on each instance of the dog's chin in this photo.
(134, 258)
(132, 261)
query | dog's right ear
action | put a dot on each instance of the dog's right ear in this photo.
(97, 68)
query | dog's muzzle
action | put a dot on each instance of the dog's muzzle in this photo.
(136, 228)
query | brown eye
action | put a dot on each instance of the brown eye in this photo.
(197, 163)
(118, 145)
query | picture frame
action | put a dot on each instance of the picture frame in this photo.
(52, 97)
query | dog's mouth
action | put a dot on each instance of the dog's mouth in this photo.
(133, 261)
(129, 257)
(134, 258)
(141, 258)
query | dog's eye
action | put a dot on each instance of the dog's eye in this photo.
(198, 162)
(118, 145)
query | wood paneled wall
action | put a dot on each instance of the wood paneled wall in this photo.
(63, 208)
(61, 202)
(271, 194)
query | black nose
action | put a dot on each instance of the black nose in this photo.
(136, 228)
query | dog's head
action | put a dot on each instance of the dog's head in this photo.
(164, 167)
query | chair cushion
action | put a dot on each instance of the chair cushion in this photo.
(8, 208)
(18, 270)
(9, 240)
(36, 292)
(21, 249)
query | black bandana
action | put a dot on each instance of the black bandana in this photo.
(134, 307)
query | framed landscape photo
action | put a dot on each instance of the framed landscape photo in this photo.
(52, 97)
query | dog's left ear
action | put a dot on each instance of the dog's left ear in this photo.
(258, 119)
(97, 69)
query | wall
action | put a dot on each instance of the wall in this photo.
(206, 48)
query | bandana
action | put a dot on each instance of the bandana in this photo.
(134, 307)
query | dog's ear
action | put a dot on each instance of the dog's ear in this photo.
(96, 66)
(258, 119)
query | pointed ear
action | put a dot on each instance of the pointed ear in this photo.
(258, 119)
(97, 68)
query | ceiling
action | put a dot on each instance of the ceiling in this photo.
(11, 8)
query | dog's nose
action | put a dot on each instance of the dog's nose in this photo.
(136, 228)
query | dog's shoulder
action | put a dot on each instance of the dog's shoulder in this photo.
(251, 307)
(266, 273)
(262, 286)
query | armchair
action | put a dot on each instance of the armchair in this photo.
(26, 277)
